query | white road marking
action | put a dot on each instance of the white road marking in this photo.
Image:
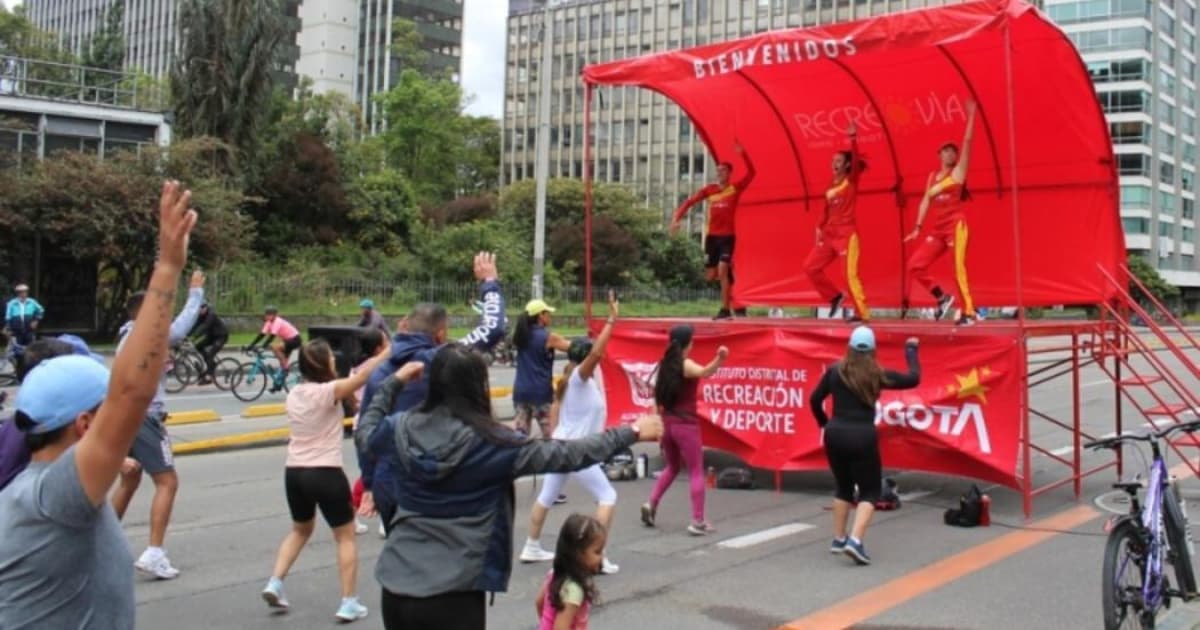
(913, 496)
(749, 540)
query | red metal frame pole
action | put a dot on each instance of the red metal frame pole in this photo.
(587, 201)
(1076, 460)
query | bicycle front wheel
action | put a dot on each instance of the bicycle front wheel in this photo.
(248, 383)
(224, 371)
(1180, 557)
(179, 376)
(1122, 578)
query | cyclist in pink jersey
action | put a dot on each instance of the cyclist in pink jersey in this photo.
(276, 326)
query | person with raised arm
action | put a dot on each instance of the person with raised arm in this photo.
(719, 240)
(944, 204)
(63, 557)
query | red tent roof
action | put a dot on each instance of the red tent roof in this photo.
(789, 96)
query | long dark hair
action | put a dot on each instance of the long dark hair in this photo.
(670, 369)
(862, 375)
(523, 332)
(314, 362)
(370, 342)
(577, 534)
(458, 383)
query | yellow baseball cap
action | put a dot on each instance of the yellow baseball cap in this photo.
(537, 307)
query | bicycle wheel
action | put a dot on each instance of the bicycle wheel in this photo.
(248, 383)
(179, 376)
(1180, 556)
(196, 364)
(1122, 577)
(224, 371)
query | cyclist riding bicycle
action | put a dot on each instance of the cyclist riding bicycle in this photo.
(289, 339)
(209, 335)
(22, 316)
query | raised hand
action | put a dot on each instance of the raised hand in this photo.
(852, 130)
(485, 266)
(913, 341)
(912, 236)
(410, 372)
(614, 306)
(198, 279)
(722, 353)
(175, 222)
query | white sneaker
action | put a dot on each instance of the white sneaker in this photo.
(608, 568)
(273, 594)
(351, 610)
(533, 552)
(360, 527)
(156, 565)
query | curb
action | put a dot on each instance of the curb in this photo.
(197, 416)
(253, 439)
(265, 410)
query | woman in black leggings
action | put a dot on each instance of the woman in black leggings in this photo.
(850, 440)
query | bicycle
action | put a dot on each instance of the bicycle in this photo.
(8, 362)
(186, 366)
(250, 380)
(1142, 541)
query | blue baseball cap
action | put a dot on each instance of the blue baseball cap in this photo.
(81, 347)
(862, 339)
(56, 391)
(367, 303)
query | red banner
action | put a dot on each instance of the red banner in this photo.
(963, 419)
(1041, 176)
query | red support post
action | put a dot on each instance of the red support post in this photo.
(1076, 460)
(587, 201)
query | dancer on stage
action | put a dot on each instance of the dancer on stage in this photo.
(837, 236)
(946, 195)
(722, 200)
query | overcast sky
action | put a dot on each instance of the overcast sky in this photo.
(483, 54)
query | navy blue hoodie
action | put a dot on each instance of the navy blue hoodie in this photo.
(378, 459)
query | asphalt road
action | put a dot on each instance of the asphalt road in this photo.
(767, 565)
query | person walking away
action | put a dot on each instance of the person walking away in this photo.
(451, 537)
(210, 335)
(566, 597)
(22, 315)
(420, 335)
(314, 477)
(533, 389)
(289, 342)
(152, 448)
(372, 318)
(837, 235)
(64, 561)
(372, 341)
(675, 394)
(723, 198)
(582, 412)
(945, 199)
(851, 443)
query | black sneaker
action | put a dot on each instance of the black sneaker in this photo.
(943, 306)
(560, 499)
(835, 304)
(965, 321)
(740, 312)
(723, 314)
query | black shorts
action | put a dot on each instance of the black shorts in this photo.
(718, 249)
(327, 488)
(292, 345)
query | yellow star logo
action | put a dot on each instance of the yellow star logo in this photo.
(969, 385)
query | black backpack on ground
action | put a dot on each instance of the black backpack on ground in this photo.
(970, 509)
(735, 478)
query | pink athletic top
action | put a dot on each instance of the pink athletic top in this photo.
(571, 593)
(281, 328)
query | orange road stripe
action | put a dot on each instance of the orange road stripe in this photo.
(902, 589)
(910, 586)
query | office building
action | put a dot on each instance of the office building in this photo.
(1142, 57)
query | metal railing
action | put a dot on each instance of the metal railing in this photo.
(33, 78)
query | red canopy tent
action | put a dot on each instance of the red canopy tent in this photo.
(1043, 216)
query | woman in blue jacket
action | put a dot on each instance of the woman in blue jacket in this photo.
(451, 536)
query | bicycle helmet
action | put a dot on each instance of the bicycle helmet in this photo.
(367, 303)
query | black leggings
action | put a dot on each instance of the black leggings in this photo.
(450, 611)
(209, 347)
(853, 452)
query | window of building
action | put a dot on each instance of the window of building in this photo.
(1130, 132)
(1166, 229)
(1189, 236)
(1166, 52)
(1166, 203)
(1125, 101)
(1166, 142)
(1135, 225)
(1113, 39)
(1134, 164)
(1135, 197)
(1123, 70)
(1166, 81)
(1187, 180)
(1188, 208)
(1166, 173)
(1090, 10)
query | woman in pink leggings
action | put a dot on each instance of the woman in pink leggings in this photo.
(675, 394)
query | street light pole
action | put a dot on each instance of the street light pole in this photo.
(542, 167)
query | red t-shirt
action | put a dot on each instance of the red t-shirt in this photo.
(945, 204)
(722, 204)
(839, 206)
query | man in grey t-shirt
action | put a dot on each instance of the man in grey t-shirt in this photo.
(64, 561)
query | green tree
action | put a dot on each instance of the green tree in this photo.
(221, 82)
(406, 45)
(479, 161)
(424, 133)
(383, 212)
(304, 198)
(1162, 290)
(102, 212)
(104, 55)
(20, 38)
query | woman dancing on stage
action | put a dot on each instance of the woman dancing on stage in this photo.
(946, 194)
(837, 236)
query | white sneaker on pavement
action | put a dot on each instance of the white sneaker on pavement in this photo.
(533, 552)
(608, 568)
(156, 564)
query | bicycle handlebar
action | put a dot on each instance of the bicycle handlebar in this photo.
(1149, 436)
